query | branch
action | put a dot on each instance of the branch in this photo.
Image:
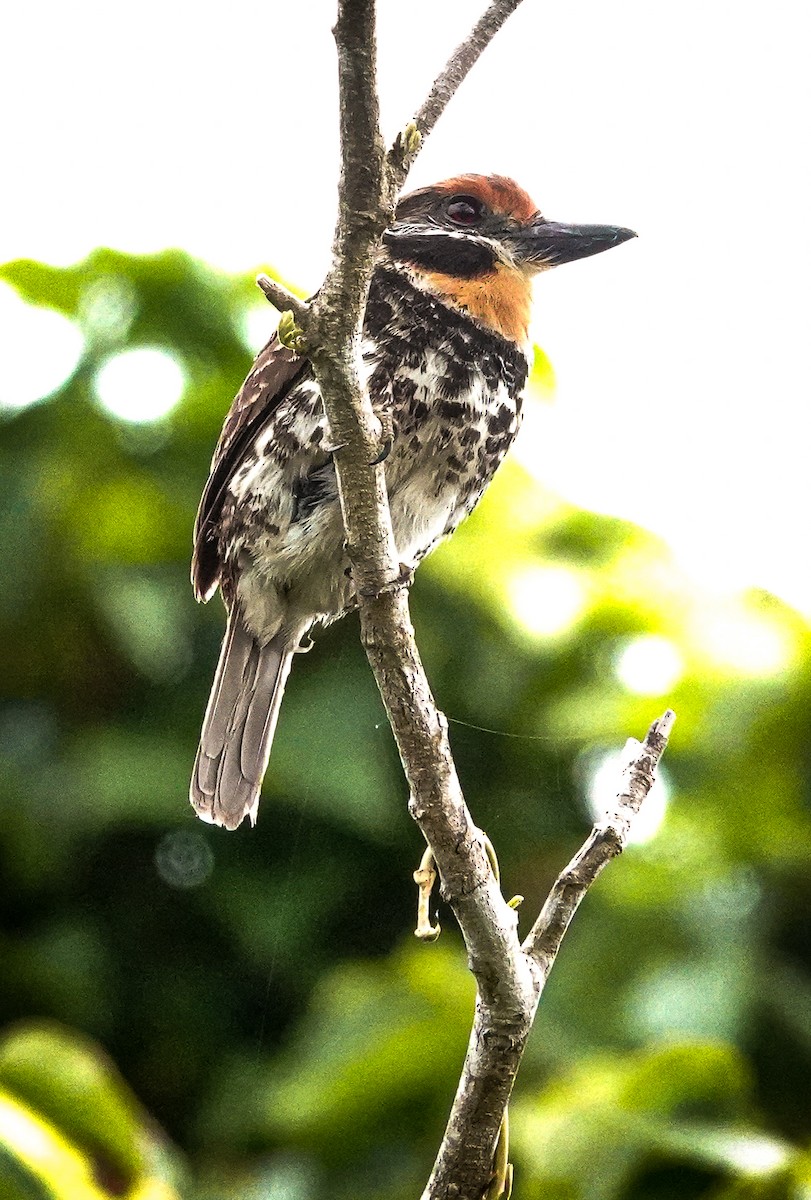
(498, 1038)
(333, 328)
(509, 979)
(456, 70)
(605, 842)
(334, 324)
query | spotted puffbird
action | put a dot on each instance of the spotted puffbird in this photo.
(445, 355)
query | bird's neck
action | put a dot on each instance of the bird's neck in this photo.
(500, 300)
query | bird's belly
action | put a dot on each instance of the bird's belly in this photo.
(441, 464)
(420, 519)
(282, 518)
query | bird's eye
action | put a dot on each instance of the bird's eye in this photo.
(465, 210)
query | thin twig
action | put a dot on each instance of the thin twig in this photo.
(605, 842)
(464, 57)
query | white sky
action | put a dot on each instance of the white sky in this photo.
(681, 360)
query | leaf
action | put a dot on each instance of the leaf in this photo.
(72, 1123)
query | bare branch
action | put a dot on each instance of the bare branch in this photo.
(364, 206)
(465, 1162)
(437, 805)
(333, 329)
(507, 988)
(499, 1035)
(334, 324)
(605, 842)
(447, 82)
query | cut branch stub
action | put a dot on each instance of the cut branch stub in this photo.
(282, 299)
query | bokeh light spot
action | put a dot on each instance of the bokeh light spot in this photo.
(107, 309)
(147, 619)
(140, 385)
(256, 327)
(746, 642)
(546, 600)
(184, 858)
(649, 666)
(25, 1133)
(753, 1153)
(41, 349)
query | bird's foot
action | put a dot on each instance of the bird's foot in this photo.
(290, 334)
(403, 579)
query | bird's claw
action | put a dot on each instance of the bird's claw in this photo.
(385, 451)
(386, 437)
(403, 579)
(290, 334)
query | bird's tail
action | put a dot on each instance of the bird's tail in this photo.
(239, 724)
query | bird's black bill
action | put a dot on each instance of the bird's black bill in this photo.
(550, 242)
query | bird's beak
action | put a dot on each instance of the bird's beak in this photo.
(549, 243)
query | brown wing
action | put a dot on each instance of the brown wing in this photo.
(273, 373)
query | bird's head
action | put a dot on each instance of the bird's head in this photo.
(477, 240)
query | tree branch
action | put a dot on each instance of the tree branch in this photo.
(606, 841)
(334, 325)
(459, 65)
(509, 979)
(499, 1036)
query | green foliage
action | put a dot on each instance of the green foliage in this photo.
(70, 1129)
(687, 1105)
(261, 991)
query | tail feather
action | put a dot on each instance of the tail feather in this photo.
(238, 726)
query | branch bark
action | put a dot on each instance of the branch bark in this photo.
(605, 842)
(459, 64)
(500, 1034)
(509, 977)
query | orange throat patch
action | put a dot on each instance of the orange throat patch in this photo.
(501, 300)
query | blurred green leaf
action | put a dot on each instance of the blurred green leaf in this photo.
(376, 1036)
(71, 1128)
(591, 1132)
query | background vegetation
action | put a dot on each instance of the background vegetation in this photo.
(261, 993)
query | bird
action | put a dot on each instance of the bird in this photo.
(445, 356)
